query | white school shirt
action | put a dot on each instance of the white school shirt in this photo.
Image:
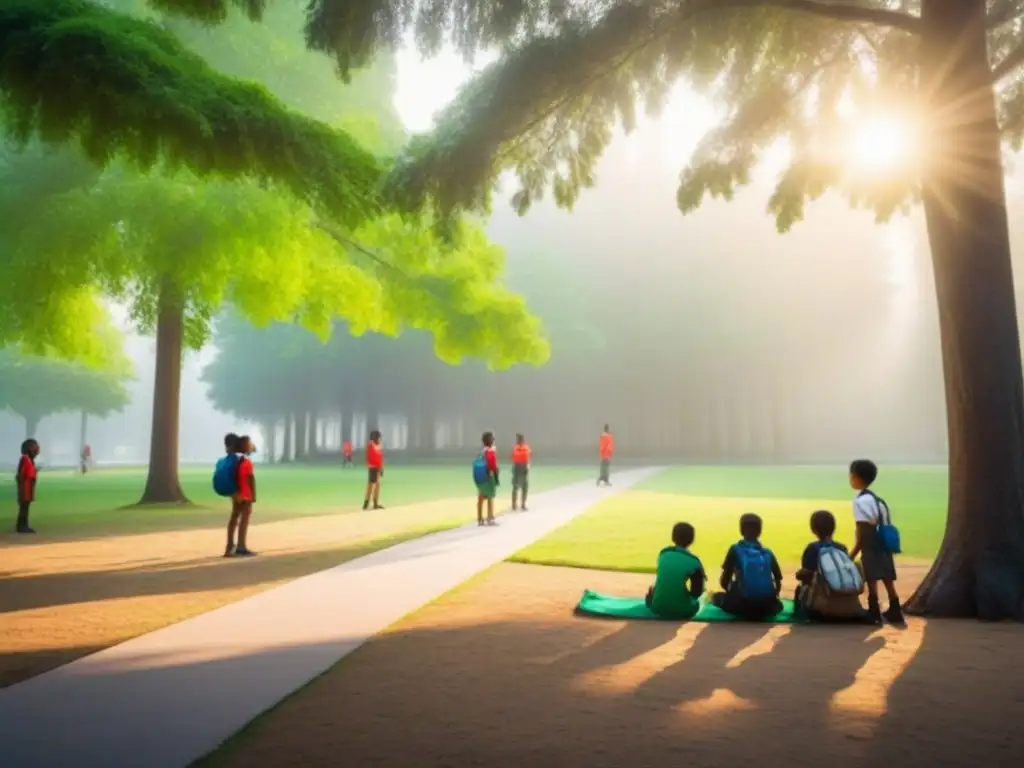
(865, 509)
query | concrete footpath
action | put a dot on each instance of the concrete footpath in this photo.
(165, 699)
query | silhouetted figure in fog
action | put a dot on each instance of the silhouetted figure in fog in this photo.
(605, 448)
(86, 457)
(520, 471)
(375, 470)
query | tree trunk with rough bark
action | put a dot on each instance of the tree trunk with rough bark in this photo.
(289, 439)
(979, 571)
(162, 483)
(301, 435)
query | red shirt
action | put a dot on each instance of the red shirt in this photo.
(606, 446)
(521, 454)
(245, 478)
(491, 457)
(27, 479)
(374, 456)
(347, 448)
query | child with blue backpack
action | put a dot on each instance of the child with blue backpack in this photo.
(877, 541)
(234, 477)
(751, 576)
(485, 475)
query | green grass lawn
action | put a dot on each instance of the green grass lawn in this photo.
(71, 505)
(626, 531)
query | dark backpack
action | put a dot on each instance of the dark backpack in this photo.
(754, 571)
(225, 475)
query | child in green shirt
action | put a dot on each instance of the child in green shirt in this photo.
(679, 580)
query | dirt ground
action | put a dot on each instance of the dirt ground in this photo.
(500, 673)
(60, 600)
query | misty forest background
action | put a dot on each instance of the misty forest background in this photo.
(707, 338)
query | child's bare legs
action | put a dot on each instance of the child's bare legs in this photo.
(244, 513)
(369, 494)
(376, 494)
(232, 525)
(515, 495)
(479, 510)
(490, 510)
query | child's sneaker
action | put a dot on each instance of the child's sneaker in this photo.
(229, 550)
(366, 505)
(895, 614)
(378, 506)
(244, 552)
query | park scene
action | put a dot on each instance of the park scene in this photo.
(450, 384)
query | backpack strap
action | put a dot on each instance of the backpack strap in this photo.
(884, 515)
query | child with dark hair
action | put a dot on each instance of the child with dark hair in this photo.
(231, 449)
(375, 470)
(679, 579)
(487, 489)
(869, 511)
(814, 596)
(26, 482)
(751, 576)
(246, 496)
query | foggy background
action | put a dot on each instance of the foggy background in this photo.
(705, 338)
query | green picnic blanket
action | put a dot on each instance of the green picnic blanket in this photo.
(594, 604)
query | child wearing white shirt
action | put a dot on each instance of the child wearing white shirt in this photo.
(877, 561)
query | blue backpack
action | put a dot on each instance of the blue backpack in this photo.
(225, 475)
(480, 471)
(888, 533)
(754, 571)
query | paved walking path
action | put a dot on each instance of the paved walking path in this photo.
(167, 698)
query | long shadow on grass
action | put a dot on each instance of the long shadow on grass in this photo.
(196, 575)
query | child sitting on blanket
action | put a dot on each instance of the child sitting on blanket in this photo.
(751, 576)
(814, 598)
(679, 580)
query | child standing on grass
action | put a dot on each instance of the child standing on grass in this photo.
(26, 481)
(346, 454)
(375, 470)
(869, 512)
(520, 471)
(487, 488)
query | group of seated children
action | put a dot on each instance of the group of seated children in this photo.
(829, 582)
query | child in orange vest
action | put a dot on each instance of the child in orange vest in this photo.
(520, 471)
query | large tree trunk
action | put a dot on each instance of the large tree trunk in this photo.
(162, 483)
(980, 567)
(289, 439)
(269, 427)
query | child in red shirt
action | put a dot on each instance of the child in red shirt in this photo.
(346, 454)
(375, 470)
(241, 502)
(26, 482)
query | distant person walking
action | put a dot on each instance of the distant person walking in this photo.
(86, 457)
(26, 481)
(375, 470)
(520, 471)
(346, 454)
(606, 448)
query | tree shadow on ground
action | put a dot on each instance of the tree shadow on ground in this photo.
(521, 693)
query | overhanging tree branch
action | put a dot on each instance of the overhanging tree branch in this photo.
(881, 17)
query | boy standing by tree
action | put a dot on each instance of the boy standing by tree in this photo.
(606, 447)
(487, 488)
(869, 512)
(26, 480)
(375, 470)
(520, 471)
